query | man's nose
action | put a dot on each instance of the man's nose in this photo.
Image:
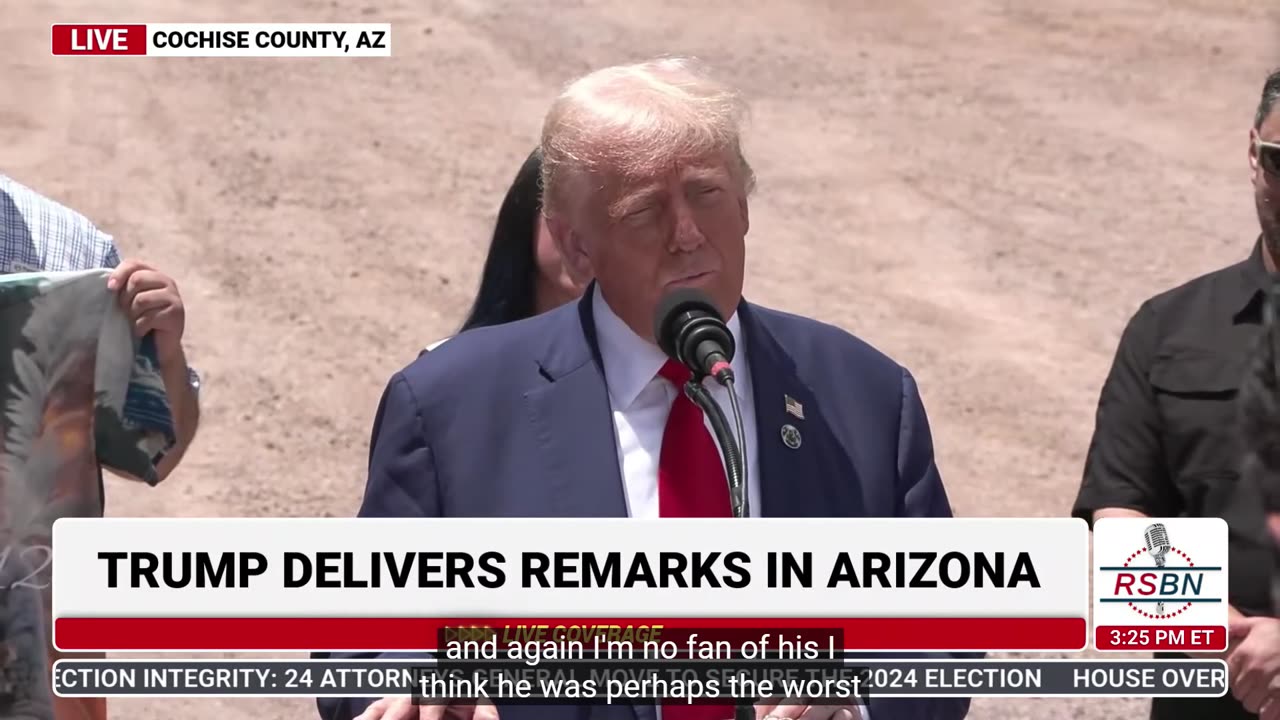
(686, 235)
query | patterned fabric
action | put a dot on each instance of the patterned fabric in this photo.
(76, 393)
(40, 235)
(24, 657)
(76, 390)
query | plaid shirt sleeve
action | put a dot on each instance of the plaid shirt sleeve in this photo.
(106, 245)
(40, 235)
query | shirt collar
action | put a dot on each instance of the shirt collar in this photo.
(1255, 283)
(631, 362)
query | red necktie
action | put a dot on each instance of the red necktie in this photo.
(691, 479)
(691, 483)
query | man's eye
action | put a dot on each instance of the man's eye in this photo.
(1269, 158)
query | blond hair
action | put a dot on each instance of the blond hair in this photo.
(635, 119)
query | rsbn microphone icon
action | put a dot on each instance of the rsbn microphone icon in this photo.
(1157, 538)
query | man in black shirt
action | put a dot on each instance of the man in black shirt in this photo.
(1167, 439)
(1260, 478)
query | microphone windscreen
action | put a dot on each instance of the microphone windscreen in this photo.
(672, 306)
(1157, 538)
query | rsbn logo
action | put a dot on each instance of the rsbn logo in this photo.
(1167, 587)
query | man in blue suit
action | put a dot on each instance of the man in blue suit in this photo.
(570, 413)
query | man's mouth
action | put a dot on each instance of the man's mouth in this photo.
(693, 279)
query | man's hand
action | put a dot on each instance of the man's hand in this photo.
(151, 300)
(402, 708)
(767, 710)
(1253, 662)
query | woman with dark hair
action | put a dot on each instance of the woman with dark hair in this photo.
(523, 275)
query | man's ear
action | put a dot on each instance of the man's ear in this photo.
(746, 215)
(574, 252)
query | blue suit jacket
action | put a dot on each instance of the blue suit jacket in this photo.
(513, 421)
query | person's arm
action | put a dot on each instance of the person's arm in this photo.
(923, 495)
(1125, 473)
(402, 473)
(1254, 661)
(919, 481)
(401, 483)
(163, 312)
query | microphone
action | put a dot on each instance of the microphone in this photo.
(1157, 538)
(689, 329)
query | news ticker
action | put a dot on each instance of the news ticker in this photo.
(223, 39)
(605, 682)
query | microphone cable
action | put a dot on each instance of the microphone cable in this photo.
(743, 501)
(735, 465)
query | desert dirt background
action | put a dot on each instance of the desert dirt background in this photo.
(984, 189)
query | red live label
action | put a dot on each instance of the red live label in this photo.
(1187, 638)
(99, 39)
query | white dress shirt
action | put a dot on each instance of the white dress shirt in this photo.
(641, 401)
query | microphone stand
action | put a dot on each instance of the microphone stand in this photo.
(735, 464)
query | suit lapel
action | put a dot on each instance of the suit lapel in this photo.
(574, 424)
(570, 411)
(809, 472)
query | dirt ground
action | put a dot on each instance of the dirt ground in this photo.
(985, 189)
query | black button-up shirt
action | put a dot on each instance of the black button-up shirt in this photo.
(1166, 442)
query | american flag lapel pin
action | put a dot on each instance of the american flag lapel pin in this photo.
(794, 408)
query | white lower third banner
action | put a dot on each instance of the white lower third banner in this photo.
(408, 584)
